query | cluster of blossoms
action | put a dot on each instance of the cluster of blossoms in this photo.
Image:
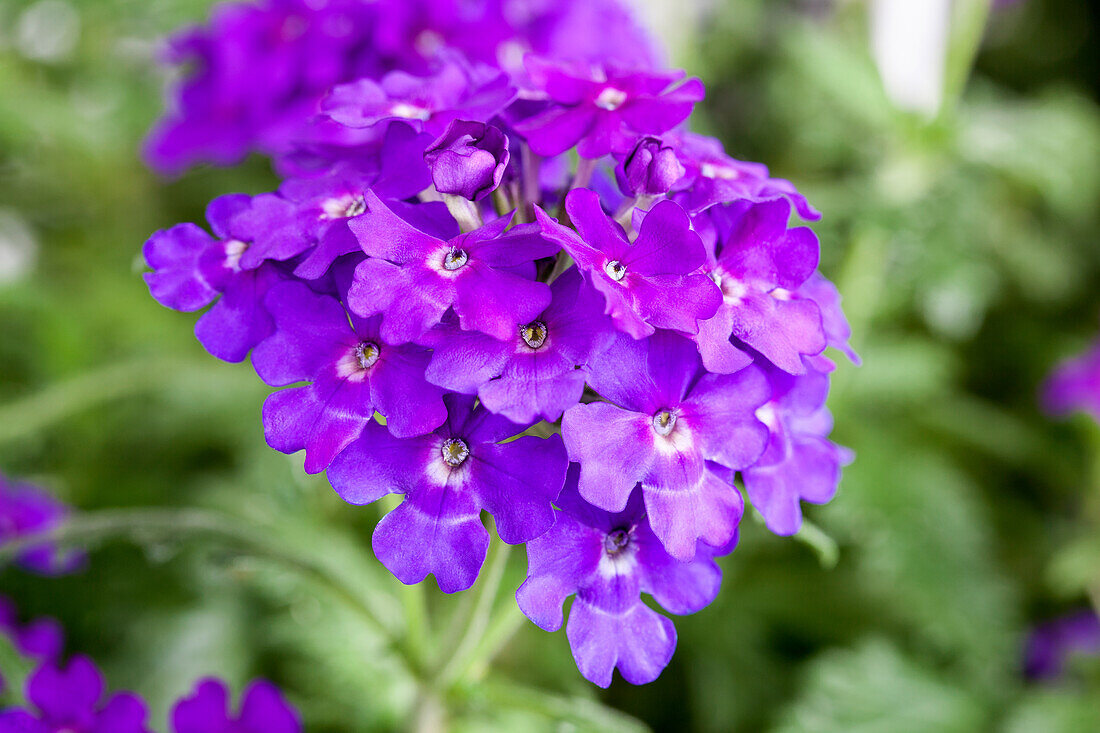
(68, 695)
(515, 284)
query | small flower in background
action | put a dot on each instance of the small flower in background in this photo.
(1052, 645)
(27, 510)
(69, 697)
(41, 639)
(1075, 385)
(262, 710)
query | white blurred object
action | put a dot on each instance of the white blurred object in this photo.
(18, 247)
(676, 23)
(909, 44)
(47, 30)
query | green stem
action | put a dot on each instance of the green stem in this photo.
(14, 670)
(507, 620)
(143, 526)
(27, 415)
(479, 618)
(968, 23)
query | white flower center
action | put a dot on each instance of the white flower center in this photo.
(615, 270)
(664, 422)
(533, 334)
(366, 354)
(455, 259)
(713, 170)
(343, 207)
(410, 111)
(611, 99)
(234, 250)
(454, 451)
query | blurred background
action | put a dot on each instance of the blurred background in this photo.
(955, 152)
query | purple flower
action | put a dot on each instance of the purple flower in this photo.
(1051, 645)
(649, 284)
(314, 212)
(649, 169)
(412, 277)
(66, 698)
(192, 268)
(608, 560)
(263, 710)
(468, 159)
(352, 372)
(603, 109)
(759, 266)
(459, 90)
(448, 478)
(1075, 385)
(799, 463)
(833, 320)
(533, 375)
(41, 639)
(664, 419)
(712, 177)
(27, 510)
(259, 70)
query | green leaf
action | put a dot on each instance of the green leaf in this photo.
(875, 689)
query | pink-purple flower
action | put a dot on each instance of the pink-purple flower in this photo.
(608, 560)
(602, 109)
(650, 283)
(448, 477)
(207, 710)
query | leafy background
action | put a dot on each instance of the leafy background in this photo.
(965, 248)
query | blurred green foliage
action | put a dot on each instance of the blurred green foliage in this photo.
(965, 248)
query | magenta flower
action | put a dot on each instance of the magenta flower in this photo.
(799, 463)
(713, 177)
(412, 277)
(312, 213)
(651, 168)
(664, 419)
(601, 109)
(759, 266)
(608, 560)
(649, 284)
(468, 159)
(192, 268)
(352, 372)
(459, 90)
(448, 477)
(534, 375)
(263, 710)
(67, 698)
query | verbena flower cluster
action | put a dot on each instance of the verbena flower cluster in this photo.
(478, 239)
(70, 695)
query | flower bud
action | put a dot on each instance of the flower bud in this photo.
(649, 169)
(468, 159)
